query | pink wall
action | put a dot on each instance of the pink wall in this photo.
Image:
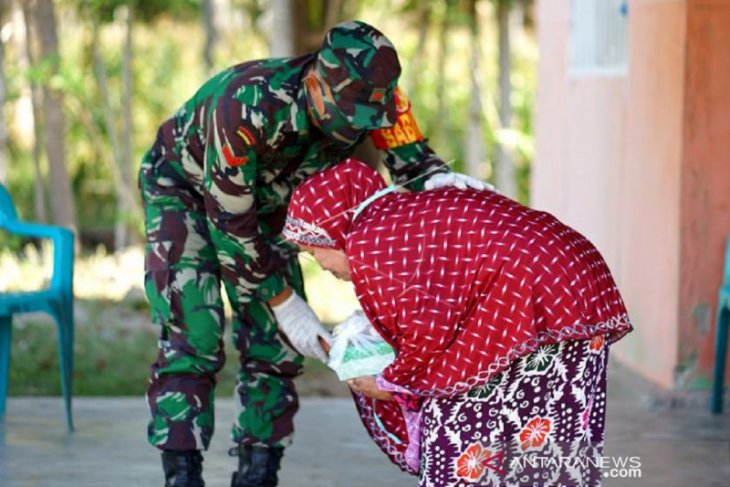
(705, 196)
(577, 172)
(608, 163)
(547, 182)
(650, 214)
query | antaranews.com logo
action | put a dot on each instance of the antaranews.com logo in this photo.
(611, 467)
(621, 467)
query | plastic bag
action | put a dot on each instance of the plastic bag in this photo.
(358, 349)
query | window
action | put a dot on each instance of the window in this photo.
(599, 37)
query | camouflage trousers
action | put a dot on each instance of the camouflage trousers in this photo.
(183, 286)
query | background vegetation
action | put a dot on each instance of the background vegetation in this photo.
(85, 83)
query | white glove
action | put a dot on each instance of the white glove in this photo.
(298, 321)
(457, 180)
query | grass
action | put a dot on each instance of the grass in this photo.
(115, 342)
(109, 360)
(113, 358)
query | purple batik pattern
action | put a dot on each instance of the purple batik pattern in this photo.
(538, 423)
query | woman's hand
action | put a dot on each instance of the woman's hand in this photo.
(366, 385)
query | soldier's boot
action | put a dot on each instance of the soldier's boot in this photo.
(183, 468)
(257, 466)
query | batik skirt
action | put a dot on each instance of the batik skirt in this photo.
(538, 423)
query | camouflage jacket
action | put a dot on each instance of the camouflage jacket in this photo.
(243, 142)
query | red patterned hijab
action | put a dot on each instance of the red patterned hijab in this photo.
(322, 209)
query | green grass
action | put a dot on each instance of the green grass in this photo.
(110, 359)
(115, 341)
(114, 347)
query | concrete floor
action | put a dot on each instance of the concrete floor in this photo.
(109, 447)
(675, 448)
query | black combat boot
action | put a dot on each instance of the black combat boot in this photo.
(257, 466)
(183, 468)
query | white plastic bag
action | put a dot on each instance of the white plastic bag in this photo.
(358, 349)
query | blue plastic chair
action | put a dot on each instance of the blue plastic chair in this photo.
(57, 300)
(721, 336)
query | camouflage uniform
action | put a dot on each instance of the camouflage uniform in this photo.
(215, 186)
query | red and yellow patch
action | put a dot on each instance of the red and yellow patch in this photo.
(249, 140)
(405, 129)
(246, 135)
(402, 103)
(231, 159)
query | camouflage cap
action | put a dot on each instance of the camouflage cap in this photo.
(360, 66)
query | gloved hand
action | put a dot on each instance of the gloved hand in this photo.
(458, 180)
(298, 321)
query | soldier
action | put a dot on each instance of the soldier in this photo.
(215, 187)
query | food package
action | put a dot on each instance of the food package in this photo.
(358, 349)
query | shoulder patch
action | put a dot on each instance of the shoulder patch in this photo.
(231, 159)
(405, 129)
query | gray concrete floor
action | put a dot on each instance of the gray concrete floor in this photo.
(683, 448)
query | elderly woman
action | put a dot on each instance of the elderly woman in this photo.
(500, 317)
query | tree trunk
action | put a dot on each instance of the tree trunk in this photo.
(312, 18)
(103, 84)
(211, 34)
(506, 177)
(416, 62)
(3, 133)
(39, 186)
(55, 123)
(122, 231)
(126, 202)
(333, 11)
(437, 125)
(307, 26)
(474, 153)
(281, 37)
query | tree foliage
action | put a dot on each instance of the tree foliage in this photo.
(104, 11)
(168, 67)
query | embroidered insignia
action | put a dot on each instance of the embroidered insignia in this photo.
(378, 95)
(246, 135)
(233, 160)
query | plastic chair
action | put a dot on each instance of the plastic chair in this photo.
(721, 336)
(57, 300)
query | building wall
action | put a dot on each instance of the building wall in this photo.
(608, 162)
(705, 194)
(650, 216)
